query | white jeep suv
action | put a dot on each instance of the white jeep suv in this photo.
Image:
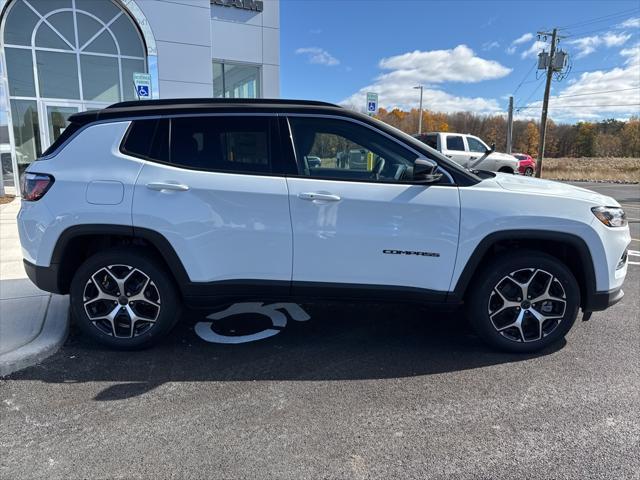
(142, 207)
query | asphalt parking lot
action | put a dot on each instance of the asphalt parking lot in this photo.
(376, 391)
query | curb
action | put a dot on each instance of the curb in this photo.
(53, 334)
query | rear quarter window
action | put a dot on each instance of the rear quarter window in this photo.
(66, 134)
(147, 139)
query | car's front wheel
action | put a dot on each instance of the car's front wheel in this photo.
(524, 301)
(124, 298)
(528, 171)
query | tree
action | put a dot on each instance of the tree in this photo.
(586, 139)
(631, 137)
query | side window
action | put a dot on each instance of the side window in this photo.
(340, 149)
(431, 140)
(218, 143)
(455, 142)
(148, 139)
(476, 145)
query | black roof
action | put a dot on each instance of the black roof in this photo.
(191, 105)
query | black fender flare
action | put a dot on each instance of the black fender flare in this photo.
(574, 241)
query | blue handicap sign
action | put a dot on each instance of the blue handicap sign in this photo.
(143, 90)
(372, 106)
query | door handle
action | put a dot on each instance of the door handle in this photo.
(326, 197)
(159, 186)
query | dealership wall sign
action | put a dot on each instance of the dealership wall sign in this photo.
(253, 5)
(274, 312)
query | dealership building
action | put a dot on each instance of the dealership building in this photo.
(59, 57)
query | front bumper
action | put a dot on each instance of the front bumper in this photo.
(602, 300)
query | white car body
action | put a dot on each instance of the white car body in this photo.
(289, 234)
(467, 150)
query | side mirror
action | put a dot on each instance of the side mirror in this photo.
(491, 149)
(425, 171)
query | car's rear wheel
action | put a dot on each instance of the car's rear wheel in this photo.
(528, 171)
(123, 298)
(524, 301)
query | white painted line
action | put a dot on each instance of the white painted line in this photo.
(633, 253)
(635, 240)
(633, 263)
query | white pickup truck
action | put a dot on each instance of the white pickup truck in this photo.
(470, 152)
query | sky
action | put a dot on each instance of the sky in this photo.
(468, 55)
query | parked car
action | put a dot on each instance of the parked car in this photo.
(527, 165)
(355, 159)
(313, 161)
(203, 202)
(470, 152)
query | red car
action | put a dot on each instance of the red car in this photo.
(527, 165)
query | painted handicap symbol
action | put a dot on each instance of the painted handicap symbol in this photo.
(273, 312)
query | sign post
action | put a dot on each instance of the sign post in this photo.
(142, 84)
(372, 103)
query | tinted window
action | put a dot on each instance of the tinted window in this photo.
(64, 136)
(431, 140)
(455, 142)
(139, 137)
(329, 148)
(476, 145)
(236, 144)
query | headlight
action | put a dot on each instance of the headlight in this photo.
(610, 216)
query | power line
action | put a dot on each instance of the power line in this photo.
(598, 92)
(525, 77)
(530, 95)
(602, 18)
(586, 106)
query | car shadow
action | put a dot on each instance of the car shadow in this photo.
(340, 342)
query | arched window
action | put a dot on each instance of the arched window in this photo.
(61, 57)
(72, 49)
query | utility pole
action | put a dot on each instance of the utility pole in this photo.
(420, 87)
(510, 125)
(545, 101)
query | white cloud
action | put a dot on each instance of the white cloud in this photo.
(534, 49)
(490, 45)
(631, 23)
(460, 64)
(588, 45)
(525, 37)
(318, 56)
(595, 95)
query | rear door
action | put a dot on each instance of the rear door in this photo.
(209, 188)
(359, 228)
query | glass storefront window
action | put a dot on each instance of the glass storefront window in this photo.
(100, 79)
(236, 80)
(20, 72)
(26, 132)
(58, 75)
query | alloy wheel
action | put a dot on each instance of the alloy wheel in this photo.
(527, 305)
(121, 301)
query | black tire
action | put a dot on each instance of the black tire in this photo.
(485, 302)
(528, 172)
(506, 170)
(159, 290)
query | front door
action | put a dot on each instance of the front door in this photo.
(367, 224)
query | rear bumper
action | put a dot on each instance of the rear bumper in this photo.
(45, 278)
(603, 300)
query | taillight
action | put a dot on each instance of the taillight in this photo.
(35, 185)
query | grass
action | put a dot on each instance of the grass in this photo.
(592, 169)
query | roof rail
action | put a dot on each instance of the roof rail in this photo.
(219, 101)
